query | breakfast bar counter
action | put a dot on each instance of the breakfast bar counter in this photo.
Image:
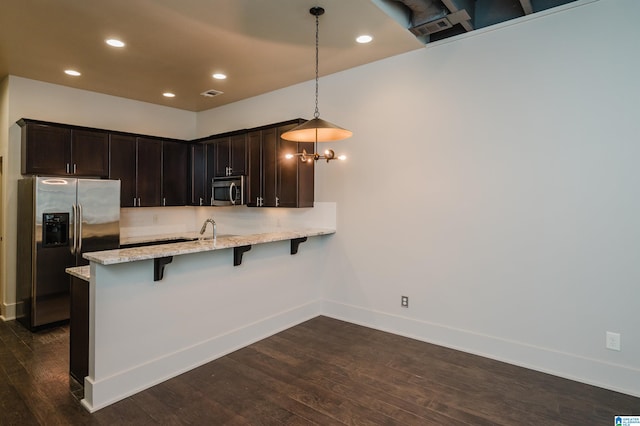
(146, 325)
(110, 257)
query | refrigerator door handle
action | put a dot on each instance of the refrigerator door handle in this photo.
(74, 212)
(79, 237)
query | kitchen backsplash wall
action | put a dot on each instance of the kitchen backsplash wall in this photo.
(154, 221)
(145, 221)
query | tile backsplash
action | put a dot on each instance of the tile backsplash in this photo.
(153, 221)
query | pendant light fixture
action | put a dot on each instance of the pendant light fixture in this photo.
(317, 130)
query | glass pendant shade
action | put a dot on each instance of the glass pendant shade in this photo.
(316, 130)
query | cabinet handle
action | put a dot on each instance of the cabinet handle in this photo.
(74, 168)
(134, 201)
(164, 201)
(200, 200)
(68, 168)
(277, 201)
(138, 201)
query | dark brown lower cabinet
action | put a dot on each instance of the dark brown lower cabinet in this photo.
(79, 330)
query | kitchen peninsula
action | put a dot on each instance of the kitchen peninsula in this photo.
(144, 329)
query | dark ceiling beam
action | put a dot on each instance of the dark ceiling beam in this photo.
(526, 6)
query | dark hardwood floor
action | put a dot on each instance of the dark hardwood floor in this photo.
(324, 372)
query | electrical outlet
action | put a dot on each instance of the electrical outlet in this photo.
(404, 301)
(613, 341)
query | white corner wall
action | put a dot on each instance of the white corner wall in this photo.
(493, 179)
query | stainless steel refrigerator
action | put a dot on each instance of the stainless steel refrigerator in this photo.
(59, 219)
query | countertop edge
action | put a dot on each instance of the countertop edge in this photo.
(82, 272)
(111, 257)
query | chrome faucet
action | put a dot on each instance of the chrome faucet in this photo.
(204, 227)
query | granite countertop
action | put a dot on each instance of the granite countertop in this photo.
(111, 257)
(82, 272)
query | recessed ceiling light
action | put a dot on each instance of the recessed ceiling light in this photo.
(169, 95)
(114, 42)
(364, 38)
(219, 76)
(73, 73)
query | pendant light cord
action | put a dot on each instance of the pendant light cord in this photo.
(316, 114)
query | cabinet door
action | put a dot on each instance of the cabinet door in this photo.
(238, 154)
(149, 172)
(221, 153)
(270, 168)
(174, 173)
(197, 175)
(295, 178)
(254, 171)
(46, 150)
(122, 165)
(90, 153)
(210, 169)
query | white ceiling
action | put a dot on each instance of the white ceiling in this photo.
(176, 45)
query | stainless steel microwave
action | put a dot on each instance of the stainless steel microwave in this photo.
(228, 191)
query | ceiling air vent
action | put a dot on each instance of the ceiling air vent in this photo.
(211, 93)
(430, 27)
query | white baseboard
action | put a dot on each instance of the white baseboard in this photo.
(8, 311)
(618, 378)
(99, 394)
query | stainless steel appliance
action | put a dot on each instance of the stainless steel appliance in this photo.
(59, 219)
(228, 191)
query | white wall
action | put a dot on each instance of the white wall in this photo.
(26, 98)
(492, 179)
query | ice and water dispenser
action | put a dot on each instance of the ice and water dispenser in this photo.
(55, 229)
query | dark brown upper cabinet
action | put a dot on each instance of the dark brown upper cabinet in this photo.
(230, 155)
(137, 162)
(123, 166)
(273, 179)
(197, 189)
(175, 162)
(58, 150)
(149, 172)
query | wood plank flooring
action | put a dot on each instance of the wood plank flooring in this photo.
(324, 372)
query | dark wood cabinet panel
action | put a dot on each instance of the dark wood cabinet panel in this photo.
(295, 179)
(254, 179)
(122, 165)
(89, 153)
(274, 180)
(238, 154)
(197, 175)
(230, 158)
(149, 172)
(79, 329)
(58, 150)
(221, 151)
(46, 149)
(210, 166)
(174, 173)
